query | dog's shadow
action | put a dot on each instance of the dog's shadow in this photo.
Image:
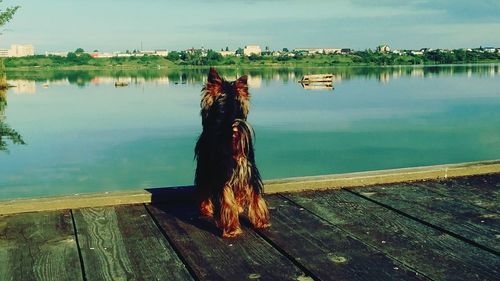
(178, 203)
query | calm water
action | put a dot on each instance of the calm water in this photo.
(84, 135)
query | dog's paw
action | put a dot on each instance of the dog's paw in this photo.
(231, 233)
(261, 225)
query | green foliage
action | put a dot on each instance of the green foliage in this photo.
(198, 58)
(6, 16)
(6, 132)
(173, 56)
(254, 57)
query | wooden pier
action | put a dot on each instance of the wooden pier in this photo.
(440, 227)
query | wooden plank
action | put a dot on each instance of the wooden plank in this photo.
(464, 220)
(123, 243)
(482, 191)
(38, 246)
(99, 199)
(156, 195)
(437, 255)
(327, 251)
(213, 258)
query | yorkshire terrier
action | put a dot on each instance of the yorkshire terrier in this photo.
(227, 180)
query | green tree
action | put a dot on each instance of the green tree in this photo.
(254, 57)
(5, 131)
(173, 56)
(79, 51)
(213, 56)
(6, 16)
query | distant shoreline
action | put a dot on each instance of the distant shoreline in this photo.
(357, 59)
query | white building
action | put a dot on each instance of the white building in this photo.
(56, 54)
(100, 55)
(227, 53)
(18, 50)
(161, 53)
(319, 50)
(383, 48)
(252, 49)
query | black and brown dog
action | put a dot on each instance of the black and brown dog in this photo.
(227, 180)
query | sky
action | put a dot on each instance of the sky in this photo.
(119, 25)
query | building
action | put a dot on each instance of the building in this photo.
(202, 52)
(4, 53)
(311, 51)
(101, 55)
(18, 50)
(56, 54)
(252, 49)
(489, 49)
(345, 51)
(161, 53)
(227, 53)
(383, 48)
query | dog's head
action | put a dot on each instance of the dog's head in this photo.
(224, 101)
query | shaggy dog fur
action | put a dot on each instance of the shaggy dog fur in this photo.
(227, 180)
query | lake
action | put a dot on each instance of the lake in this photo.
(83, 134)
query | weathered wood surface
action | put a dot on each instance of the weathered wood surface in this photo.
(459, 218)
(213, 258)
(38, 246)
(439, 230)
(327, 251)
(482, 191)
(123, 243)
(433, 253)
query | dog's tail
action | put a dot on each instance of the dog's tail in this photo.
(243, 138)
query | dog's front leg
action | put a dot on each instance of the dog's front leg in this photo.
(228, 219)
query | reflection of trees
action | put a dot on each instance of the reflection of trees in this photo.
(198, 75)
(6, 132)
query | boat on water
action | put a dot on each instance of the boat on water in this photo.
(121, 84)
(310, 78)
(317, 82)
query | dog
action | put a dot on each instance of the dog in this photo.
(227, 180)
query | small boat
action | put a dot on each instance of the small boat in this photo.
(310, 78)
(121, 84)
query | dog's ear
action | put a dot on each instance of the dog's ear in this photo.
(242, 80)
(241, 85)
(213, 77)
(213, 86)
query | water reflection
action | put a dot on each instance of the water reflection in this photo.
(104, 138)
(6, 132)
(317, 86)
(23, 81)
